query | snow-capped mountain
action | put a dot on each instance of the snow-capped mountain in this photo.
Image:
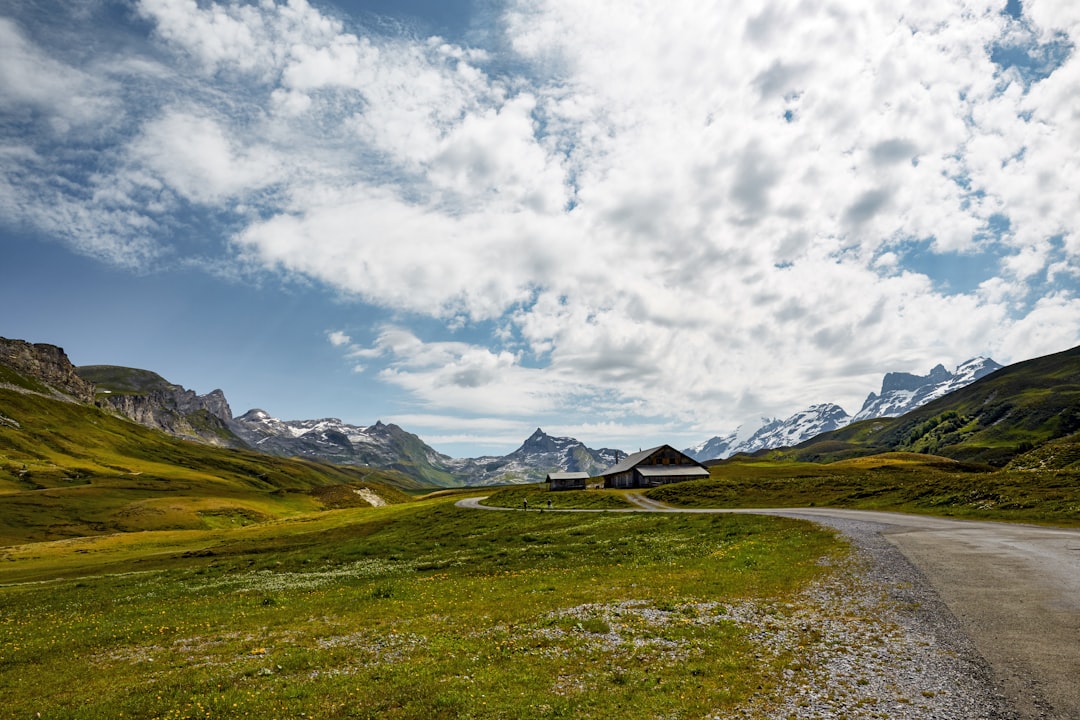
(903, 392)
(538, 455)
(720, 446)
(388, 446)
(801, 426)
(900, 393)
(330, 440)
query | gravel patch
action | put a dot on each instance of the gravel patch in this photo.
(887, 647)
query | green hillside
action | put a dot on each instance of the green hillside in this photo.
(992, 421)
(1039, 487)
(116, 379)
(69, 470)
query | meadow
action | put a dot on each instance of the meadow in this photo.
(419, 609)
(904, 482)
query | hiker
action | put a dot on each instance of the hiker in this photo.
(525, 504)
(549, 503)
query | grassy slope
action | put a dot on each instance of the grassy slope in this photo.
(116, 379)
(419, 610)
(895, 481)
(993, 420)
(68, 470)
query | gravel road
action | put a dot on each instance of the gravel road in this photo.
(1014, 589)
(987, 617)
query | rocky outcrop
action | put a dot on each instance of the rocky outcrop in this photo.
(183, 414)
(149, 399)
(49, 365)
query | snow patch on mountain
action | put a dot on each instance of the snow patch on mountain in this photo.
(801, 426)
(901, 393)
(538, 455)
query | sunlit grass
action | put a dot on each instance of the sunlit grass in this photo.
(538, 497)
(419, 610)
(896, 481)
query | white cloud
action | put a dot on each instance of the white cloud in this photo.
(667, 211)
(195, 157)
(337, 338)
(30, 79)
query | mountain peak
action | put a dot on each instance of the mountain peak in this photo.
(903, 392)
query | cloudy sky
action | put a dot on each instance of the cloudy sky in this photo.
(626, 221)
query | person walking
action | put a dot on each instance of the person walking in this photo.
(525, 504)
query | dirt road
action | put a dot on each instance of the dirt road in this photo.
(1015, 590)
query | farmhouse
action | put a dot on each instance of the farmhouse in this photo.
(656, 466)
(567, 480)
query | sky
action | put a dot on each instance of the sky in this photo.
(628, 222)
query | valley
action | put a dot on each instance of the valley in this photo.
(145, 574)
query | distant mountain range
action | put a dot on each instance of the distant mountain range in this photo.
(900, 393)
(1023, 416)
(388, 446)
(150, 400)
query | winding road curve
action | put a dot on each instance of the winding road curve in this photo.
(1015, 590)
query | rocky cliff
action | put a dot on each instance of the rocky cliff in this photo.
(47, 364)
(148, 399)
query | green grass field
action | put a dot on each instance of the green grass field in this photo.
(143, 576)
(903, 482)
(416, 610)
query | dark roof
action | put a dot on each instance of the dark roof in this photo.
(631, 461)
(672, 471)
(567, 476)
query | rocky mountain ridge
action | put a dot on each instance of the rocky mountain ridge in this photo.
(901, 393)
(148, 399)
(49, 364)
(380, 445)
(538, 455)
(388, 446)
(151, 400)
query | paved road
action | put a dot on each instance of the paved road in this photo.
(1014, 588)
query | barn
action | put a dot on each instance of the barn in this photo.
(567, 480)
(655, 466)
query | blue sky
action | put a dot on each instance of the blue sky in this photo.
(630, 222)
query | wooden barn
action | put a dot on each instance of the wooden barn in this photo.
(567, 480)
(656, 466)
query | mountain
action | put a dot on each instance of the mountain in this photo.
(903, 392)
(900, 393)
(69, 468)
(538, 455)
(380, 445)
(388, 446)
(721, 446)
(151, 400)
(995, 420)
(802, 425)
(43, 368)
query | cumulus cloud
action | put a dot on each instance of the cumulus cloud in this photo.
(676, 211)
(337, 338)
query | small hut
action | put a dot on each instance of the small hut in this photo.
(567, 480)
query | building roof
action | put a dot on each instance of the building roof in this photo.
(672, 471)
(567, 476)
(631, 461)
